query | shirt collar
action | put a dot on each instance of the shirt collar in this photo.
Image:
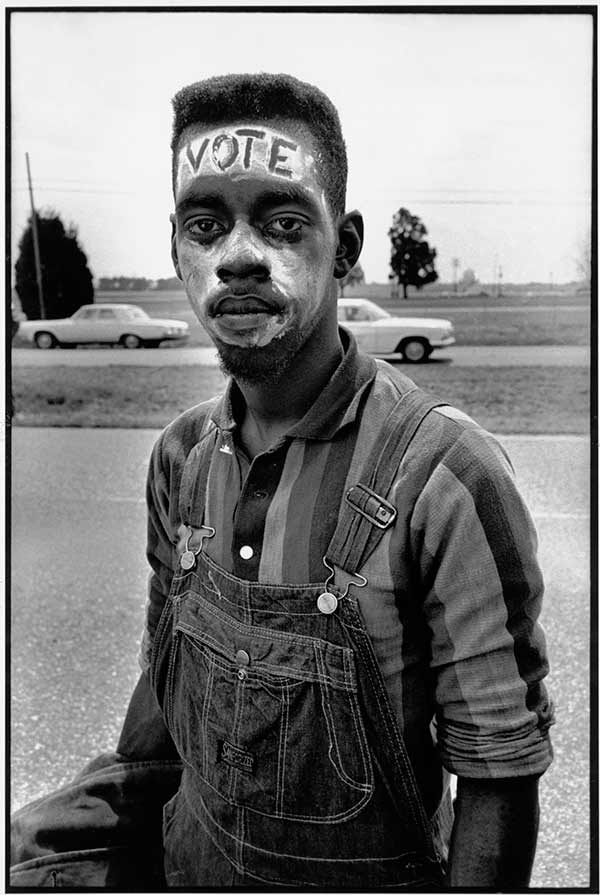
(336, 406)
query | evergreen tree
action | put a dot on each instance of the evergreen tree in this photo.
(412, 260)
(66, 280)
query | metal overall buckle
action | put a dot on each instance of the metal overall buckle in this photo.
(187, 560)
(328, 602)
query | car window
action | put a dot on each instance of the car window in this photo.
(107, 314)
(349, 313)
(361, 313)
(134, 314)
(85, 314)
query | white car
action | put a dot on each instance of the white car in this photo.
(126, 325)
(377, 332)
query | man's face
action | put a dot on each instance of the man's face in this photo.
(254, 242)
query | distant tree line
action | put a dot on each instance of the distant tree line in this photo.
(138, 284)
(123, 284)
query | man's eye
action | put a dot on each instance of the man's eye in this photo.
(284, 226)
(204, 227)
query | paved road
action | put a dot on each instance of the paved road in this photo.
(458, 355)
(78, 600)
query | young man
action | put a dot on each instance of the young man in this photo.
(344, 594)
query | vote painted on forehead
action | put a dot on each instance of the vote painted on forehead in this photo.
(244, 148)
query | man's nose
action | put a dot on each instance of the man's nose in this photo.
(243, 257)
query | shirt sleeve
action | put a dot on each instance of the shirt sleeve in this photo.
(160, 550)
(482, 596)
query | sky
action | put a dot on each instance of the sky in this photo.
(478, 123)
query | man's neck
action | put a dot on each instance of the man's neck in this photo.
(272, 408)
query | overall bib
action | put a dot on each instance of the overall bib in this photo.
(295, 771)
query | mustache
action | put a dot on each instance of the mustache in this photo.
(244, 299)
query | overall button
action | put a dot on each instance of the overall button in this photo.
(246, 552)
(242, 657)
(187, 560)
(327, 603)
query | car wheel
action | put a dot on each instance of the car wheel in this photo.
(45, 340)
(131, 341)
(415, 351)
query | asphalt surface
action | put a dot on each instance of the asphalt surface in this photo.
(458, 355)
(78, 591)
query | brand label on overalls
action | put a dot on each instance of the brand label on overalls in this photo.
(235, 757)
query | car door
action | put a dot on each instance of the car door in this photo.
(109, 328)
(356, 319)
(81, 326)
(385, 337)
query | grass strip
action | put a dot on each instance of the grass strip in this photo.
(527, 400)
(472, 326)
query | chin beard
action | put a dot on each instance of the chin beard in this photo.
(260, 365)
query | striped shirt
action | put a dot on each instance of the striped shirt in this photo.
(454, 589)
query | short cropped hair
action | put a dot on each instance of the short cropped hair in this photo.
(265, 97)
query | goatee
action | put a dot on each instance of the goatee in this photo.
(260, 365)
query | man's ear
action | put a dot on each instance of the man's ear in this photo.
(174, 257)
(350, 242)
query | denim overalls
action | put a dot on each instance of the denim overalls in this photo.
(295, 772)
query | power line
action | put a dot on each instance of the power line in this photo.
(531, 202)
(541, 203)
(527, 190)
(107, 192)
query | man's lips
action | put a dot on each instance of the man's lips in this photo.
(244, 304)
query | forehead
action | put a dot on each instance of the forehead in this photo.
(277, 154)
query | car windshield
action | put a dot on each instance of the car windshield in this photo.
(375, 312)
(84, 313)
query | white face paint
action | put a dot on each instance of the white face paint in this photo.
(242, 148)
(255, 238)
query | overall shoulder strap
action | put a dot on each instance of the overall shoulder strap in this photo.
(194, 479)
(365, 513)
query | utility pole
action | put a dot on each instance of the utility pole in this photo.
(455, 265)
(496, 287)
(36, 244)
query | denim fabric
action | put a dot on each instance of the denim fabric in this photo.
(102, 829)
(294, 771)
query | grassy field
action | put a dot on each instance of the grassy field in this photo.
(517, 318)
(525, 317)
(505, 400)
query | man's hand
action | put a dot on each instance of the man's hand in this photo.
(495, 833)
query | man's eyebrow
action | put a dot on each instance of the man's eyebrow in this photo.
(283, 195)
(191, 200)
(268, 199)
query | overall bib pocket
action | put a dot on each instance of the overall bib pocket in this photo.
(269, 720)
